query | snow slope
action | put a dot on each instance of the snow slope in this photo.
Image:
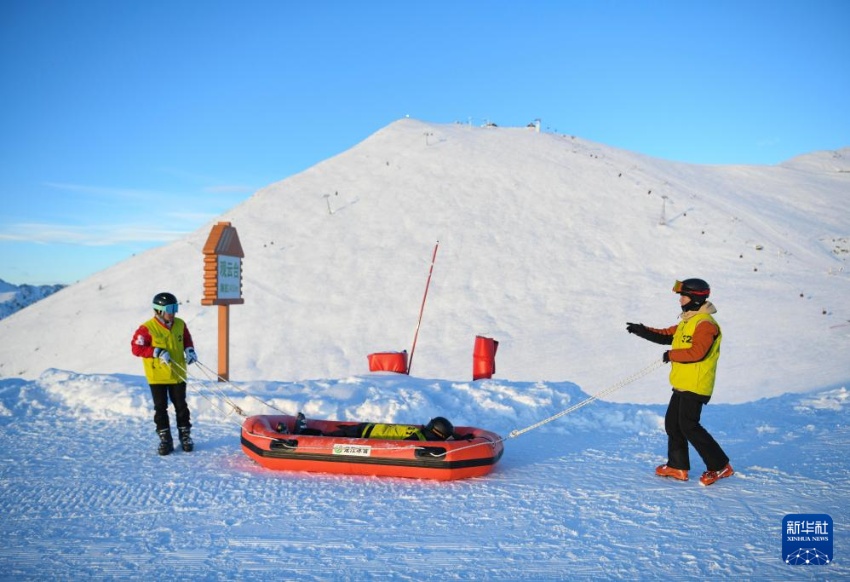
(548, 243)
(84, 495)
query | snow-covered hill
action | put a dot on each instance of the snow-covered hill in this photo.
(548, 243)
(13, 298)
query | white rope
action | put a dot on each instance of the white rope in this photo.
(213, 379)
(653, 366)
(201, 388)
(204, 387)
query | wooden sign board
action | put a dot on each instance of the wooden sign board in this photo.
(223, 267)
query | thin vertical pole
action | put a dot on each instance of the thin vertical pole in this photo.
(422, 308)
(223, 343)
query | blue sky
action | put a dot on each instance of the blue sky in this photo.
(125, 125)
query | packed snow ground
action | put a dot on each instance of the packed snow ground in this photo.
(84, 494)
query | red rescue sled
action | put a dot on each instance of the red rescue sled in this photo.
(473, 455)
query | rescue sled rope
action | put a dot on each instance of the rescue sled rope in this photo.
(206, 385)
(624, 382)
(513, 434)
(518, 432)
(213, 376)
(613, 388)
(202, 388)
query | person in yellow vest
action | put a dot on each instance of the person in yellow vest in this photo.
(437, 429)
(695, 349)
(165, 344)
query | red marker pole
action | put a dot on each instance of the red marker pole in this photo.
(422, 308)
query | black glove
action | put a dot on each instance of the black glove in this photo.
(644, 332)
(635, 328)
(666, 357)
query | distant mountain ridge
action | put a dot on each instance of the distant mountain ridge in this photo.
(13, 298)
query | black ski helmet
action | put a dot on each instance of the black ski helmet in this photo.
(165, 302)
(440, 427)
(695, 289)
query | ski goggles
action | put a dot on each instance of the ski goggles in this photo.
(172, 308)
(678, 287)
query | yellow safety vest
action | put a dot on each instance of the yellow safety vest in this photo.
(395, 432)
(699, 376)
(169, 339)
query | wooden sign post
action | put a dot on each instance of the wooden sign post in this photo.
(223, 285)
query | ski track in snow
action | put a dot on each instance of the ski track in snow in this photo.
(85, 495)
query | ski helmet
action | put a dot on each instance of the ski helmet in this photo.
(440, 427)
(696, 290)
(165, 302)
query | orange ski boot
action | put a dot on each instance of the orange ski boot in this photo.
(710, 477)
(665, 471)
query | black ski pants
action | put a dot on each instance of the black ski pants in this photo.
(682, 425)
(177, 393)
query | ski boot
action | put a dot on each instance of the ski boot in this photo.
(665, 471)
(186, 438)
(166, 444)
(710, 477)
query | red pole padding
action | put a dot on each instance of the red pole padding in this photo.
(388, 362)
(484, 357)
